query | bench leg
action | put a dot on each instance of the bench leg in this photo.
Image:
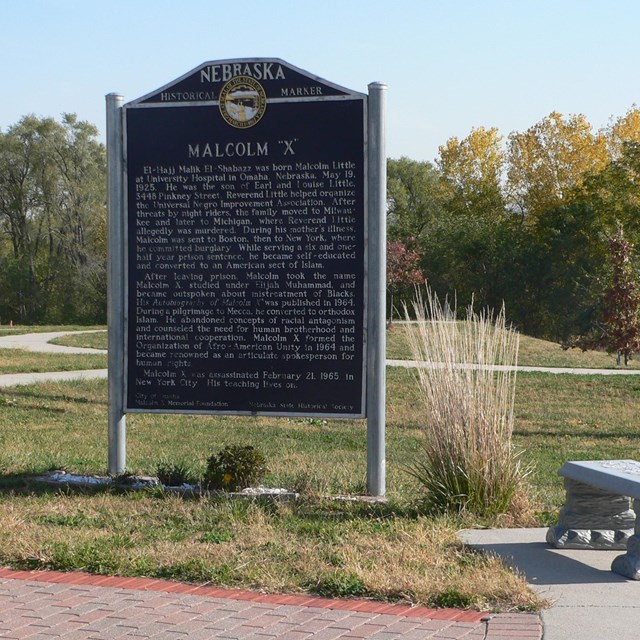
(628, 564)
(592, 519)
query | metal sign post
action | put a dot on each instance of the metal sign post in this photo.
(115, 285)
(376, 340)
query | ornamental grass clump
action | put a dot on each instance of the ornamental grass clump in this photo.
(467, 461)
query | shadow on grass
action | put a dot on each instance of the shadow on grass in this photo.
(309, 511)
(594, 435)
(7, 395)
(316, 510)
(27, 483)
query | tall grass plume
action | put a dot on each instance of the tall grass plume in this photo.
(467, 382)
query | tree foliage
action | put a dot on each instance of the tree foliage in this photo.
(403, 269)
(525, 220)
(415, 198)
(624, 130)
(622, 300)
(473, 168)
(549, 160)
(52, 221)
(522, 220)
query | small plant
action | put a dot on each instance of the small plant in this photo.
(341, 584)
(306, 482)
(59, 520)
(452, 598)
(175, 474)
(234, 468)
(124, 479)
(216, 537)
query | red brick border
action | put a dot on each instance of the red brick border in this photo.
(168, 586)
(514, 626)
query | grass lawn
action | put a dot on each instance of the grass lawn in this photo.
(567, 417)
(19, 329)
(533, 352)
(21, 361)
(316, 545)
(313, 545)
(96, 340)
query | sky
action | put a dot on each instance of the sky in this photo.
(450, 65)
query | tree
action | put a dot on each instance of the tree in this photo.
(402, 270)
(52, 219)
(622, 300)
(614, 192)
(565, 259)
(568, 183)
(473, 169)
(549, 160)
(623, 130)
(415, 197)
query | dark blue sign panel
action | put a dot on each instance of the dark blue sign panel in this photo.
(246, 244)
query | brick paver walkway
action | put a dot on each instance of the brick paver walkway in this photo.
(44, 605)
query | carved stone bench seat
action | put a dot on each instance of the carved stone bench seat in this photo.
(598, 513)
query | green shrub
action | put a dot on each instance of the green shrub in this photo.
(452, 598)
(215, 537)
(124, 479)
(234, 468)
(341, 584)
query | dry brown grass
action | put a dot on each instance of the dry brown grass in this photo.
(282, 548)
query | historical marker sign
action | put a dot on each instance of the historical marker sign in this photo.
(246, 253)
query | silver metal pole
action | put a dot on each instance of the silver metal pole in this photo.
(115, 285)
(377, 245)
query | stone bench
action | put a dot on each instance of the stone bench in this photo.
(598, 514)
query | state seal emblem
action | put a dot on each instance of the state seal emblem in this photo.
(242, 102)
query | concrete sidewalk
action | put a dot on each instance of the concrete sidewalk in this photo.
(43, 605)
(589, 602)
(40, 342)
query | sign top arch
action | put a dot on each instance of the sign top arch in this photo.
(280, 80)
